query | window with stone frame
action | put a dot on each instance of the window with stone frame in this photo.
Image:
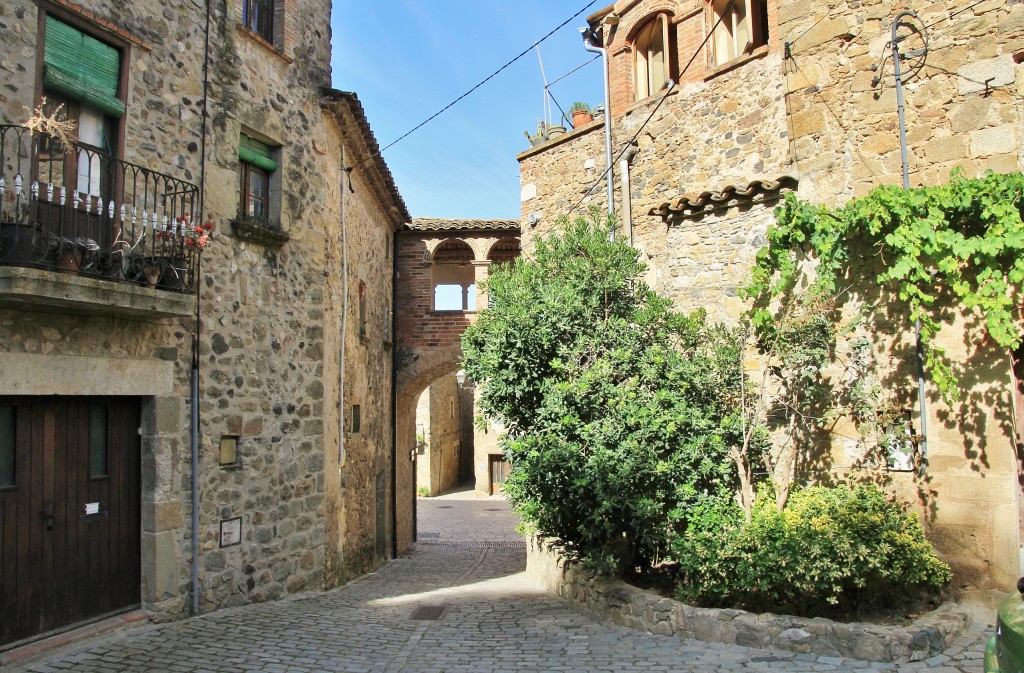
(256, 169)
(652, 57)
(742, 29)
(82, 76)
(258, 16)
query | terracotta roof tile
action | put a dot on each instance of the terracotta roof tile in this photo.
(696, 205)
(443, 224)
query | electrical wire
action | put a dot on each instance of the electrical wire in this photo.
(480, 84)
(574, 71)
(957, 12)
(827, 14)
(668, 90)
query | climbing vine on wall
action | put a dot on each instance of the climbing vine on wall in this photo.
(962, 241)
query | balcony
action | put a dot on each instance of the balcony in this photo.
(84, 230)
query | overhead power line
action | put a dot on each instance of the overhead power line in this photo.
(480, 84)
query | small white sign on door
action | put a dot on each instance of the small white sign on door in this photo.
(92, 508)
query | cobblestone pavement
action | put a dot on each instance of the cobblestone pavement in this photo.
(468, 564)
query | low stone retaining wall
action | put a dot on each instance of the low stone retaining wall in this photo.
(639, 609)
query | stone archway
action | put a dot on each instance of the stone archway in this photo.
(428, 337)
(416, 373)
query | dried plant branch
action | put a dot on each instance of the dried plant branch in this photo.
(55, 124)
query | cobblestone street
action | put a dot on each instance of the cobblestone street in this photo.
(487, 619)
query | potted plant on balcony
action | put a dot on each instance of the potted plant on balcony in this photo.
(540, 136)
(72, 254)
(581, 114)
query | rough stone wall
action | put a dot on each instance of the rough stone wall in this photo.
(445, 434)
(704, 137)
(269, 319)
(485, 445)
(629, 606)
(818, 117)
(423, 453)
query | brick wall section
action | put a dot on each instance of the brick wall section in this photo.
(418, 325)
(689, 19)
(819, 118)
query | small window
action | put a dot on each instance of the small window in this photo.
(362, 309)
(652, 54)
(357, 420)
(97, 441)
(7, 453)
(454, 297)
(258, 16)
(228, 450)
(743, 28)
(256, 166)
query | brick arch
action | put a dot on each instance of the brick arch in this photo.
(433, 244)
(629, 27)
(425, 367)
(502, 248)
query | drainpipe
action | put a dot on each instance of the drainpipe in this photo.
(921, 401)
(344, 315)
(195, 339)
(627, 204)
(589, 45)
(394, 404)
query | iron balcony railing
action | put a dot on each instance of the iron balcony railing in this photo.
(73, 208)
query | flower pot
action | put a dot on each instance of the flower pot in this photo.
(69, 261)
(19, 243)
(581, 117)
(555, 131)
(173, 276)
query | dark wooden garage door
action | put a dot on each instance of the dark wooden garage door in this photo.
(69, 511)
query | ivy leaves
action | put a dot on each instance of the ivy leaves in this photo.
(958, 243)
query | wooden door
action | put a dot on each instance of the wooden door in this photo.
(69, 511)
(499, 472)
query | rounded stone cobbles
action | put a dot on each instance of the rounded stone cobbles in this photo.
(469, 560)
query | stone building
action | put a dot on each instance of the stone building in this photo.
(133, 340)
(440, 262)
(774, 96)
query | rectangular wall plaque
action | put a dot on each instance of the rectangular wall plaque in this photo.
(231, 532)
(92, 508)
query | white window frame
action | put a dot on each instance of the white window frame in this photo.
(647, 81)
(740, 31)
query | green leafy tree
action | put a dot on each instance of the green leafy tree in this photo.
(620, 412)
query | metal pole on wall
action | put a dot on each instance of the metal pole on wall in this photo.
(589, 45)
(922, 402)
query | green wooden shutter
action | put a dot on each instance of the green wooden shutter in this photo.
(256, 153)
(82, 67)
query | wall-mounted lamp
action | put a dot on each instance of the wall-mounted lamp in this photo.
(460, 377)
(534, 218)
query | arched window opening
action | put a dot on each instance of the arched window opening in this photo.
(652, 51)
(503, 251)
(453, 277)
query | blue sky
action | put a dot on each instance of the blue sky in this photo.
(406, 59)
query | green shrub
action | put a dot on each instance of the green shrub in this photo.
(829, 546)
(619, 411)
